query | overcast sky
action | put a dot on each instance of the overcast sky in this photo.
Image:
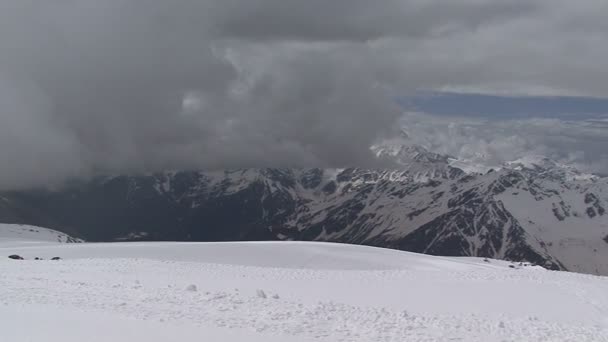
(113, 86)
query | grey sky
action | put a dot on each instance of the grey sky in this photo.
(98, 86)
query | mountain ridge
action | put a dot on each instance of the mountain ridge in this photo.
(534, 212)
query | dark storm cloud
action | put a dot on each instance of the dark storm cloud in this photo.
(358, 20)
(98, 86)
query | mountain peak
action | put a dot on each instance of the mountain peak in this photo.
(405, 153)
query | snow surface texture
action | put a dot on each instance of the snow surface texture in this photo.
(287, 291)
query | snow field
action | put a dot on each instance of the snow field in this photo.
(310, 292)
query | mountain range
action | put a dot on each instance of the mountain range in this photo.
(532, 209)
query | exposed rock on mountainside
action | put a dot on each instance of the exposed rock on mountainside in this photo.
(530, 210)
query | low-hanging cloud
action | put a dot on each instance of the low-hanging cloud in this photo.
(112, 86)
(580, 143)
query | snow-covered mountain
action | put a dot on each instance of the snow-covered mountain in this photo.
(530, 210)
(420, 164)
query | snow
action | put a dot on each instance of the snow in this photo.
(287, 291)
(471, 166)
(16, 234)
(577, 241)
(58, 324)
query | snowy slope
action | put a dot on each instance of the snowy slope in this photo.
(12, 234)
(288, 291)
(562, 225)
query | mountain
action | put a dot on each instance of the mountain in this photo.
(531, 210)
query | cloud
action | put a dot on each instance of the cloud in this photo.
(33, 148)
(113, 86)
(580, 143)
(357, 20)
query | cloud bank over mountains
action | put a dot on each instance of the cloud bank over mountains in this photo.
(112, 86)
(579, 143)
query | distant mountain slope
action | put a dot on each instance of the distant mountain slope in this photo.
(530, 210)
(25, 234)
